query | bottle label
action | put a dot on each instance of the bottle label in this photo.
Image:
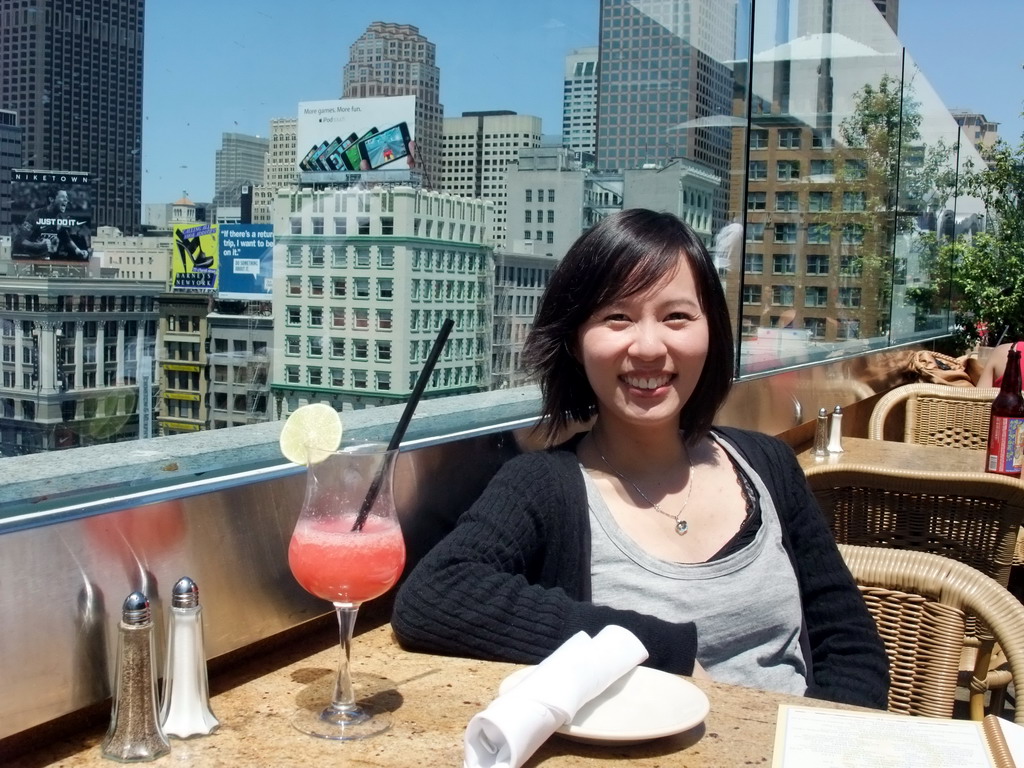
(1006, 445)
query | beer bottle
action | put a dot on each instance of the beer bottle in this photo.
(1006, 427)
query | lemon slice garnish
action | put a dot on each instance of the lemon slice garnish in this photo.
(317, 425)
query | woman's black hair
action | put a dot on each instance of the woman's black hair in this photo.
(624, 254)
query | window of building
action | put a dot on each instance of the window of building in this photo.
(817, 264)
(823, 167)
(315, 376)
(360, 349)
(789, 138)
(816, 296)
(386, 257)
(293, 316)
(819, 234)
(291, 346)
(337, 347)
(751, 294)
(758, 170)
(782, 295)
(759, 138)
(385, 288)
(757, 201)
(785, 232)
(853, 234)
(753, 263)
(787, 170)
(786, 201)
(337, 317)
(755, 231)
(849, 297)
(361, 287)
(291, 374)
(363, 225)
(316, 286)
(850, 266)
(819, 201)
(854, 201)
(361, 318)
(359, 379)
(315, 346)
(318, 225)
(855, 169)
(784, 264)
(384, 351)
(384, 319)
(340, 225)
(387, 225)
(316, 317)
(296, 225)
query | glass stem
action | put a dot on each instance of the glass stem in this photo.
(344, 697)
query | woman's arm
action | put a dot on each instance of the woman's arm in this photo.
(994, 366)
(511, 581)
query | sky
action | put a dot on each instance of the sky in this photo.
(216, 67)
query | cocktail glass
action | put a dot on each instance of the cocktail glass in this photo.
(335, 558)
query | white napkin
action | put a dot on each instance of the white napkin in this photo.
(517, 722)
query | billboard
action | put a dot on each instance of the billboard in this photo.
(246, 261)
(51, 212)
(194, 263)
(357, 135)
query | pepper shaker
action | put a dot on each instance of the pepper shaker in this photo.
(185, 709)
(134, 733)
(821, 434)
(835, 440)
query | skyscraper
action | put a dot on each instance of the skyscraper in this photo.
(579, 101)
(280, 170)
(396, 60)
(10, 158)
(478, 148)
(665, 87)
(241, 160)
(74, 77)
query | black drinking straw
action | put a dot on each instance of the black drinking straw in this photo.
(403, 423)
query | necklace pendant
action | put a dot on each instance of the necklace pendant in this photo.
(682, 527)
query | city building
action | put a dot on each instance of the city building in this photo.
(241, 162)
(74, 76)
(182, 402)
(366, 277)
(396, 60)
(663, 77)
(579, 102)
(280, 170)
(476, 150)
(519, 282)
(890, 9)
(74, 356)
(552, 200)
(144, 258)
(10, 158)
(241, 340)
(980, 131)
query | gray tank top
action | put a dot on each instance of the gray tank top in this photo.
(746, 605)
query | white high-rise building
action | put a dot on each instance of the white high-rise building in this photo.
(364, 278)
(579, 102)
(477, 148)
(281, 169)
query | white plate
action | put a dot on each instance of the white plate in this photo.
(641, 705)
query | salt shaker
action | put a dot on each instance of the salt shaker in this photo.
(835, 439)
(185, 709)
(134, 733)
(821, 434)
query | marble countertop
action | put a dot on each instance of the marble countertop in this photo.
(432, 699)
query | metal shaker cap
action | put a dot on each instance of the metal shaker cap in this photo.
(185, 593)
(135, 610)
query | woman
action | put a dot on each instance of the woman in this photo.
(705, 543)
(995, 366)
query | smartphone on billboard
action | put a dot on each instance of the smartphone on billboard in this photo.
(320, 162)
(332, 156)
(304, 162)
(314, 161)
(385, 147)
(351, 156)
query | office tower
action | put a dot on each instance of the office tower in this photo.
(241, 160)
(75, 79)
(979, 130)
(280, 170)
(477, 148)
(579, 102)
(396, 60)
(10, 158)
(890, 9)
(664, 66)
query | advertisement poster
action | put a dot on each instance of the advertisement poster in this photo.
(52, 216)
(357, 135)
(194, 262)
(246, 261)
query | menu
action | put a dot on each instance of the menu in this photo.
(811, 737)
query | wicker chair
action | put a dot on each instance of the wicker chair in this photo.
(973, 518)
(920, 602)
(936, 414)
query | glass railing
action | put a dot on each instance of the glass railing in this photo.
(800, 141)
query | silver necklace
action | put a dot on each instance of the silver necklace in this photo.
(681, 525)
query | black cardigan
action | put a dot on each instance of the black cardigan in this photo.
(511, 582)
